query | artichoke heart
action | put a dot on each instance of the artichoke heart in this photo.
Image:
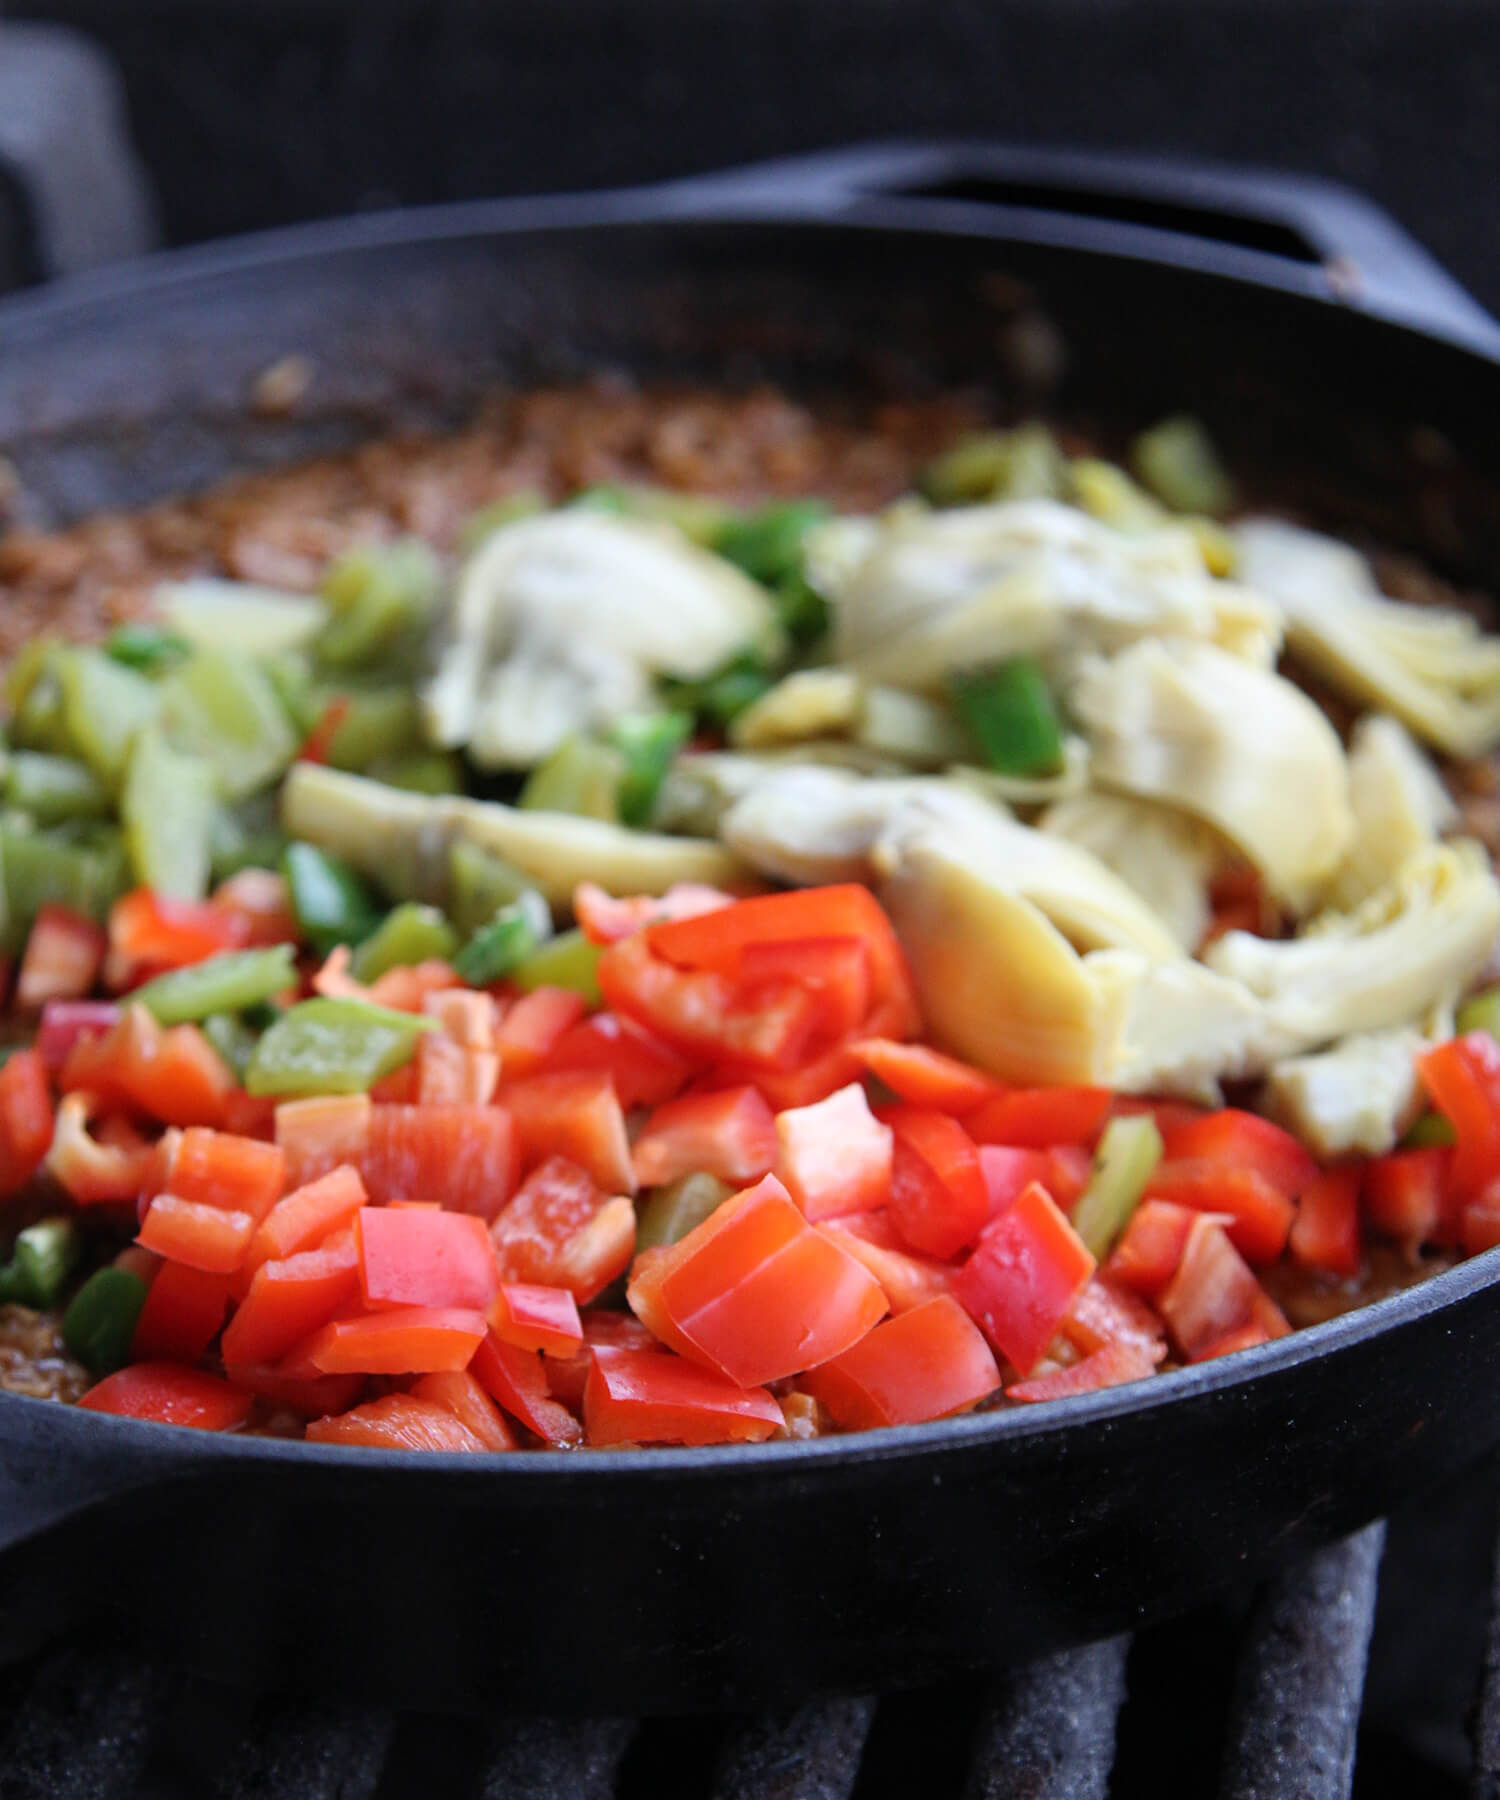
(1167, 856)
(809, 703)
(401, 840)
(1412, 946)
(1400, 806)
(1361, 1095)
(1189, 724)
(945, 591)
(561, 620)
(1430, 666)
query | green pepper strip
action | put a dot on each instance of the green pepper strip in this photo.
(44, 1257)
(479, 884)
(1009, 709)
(53, 788)
(581, 776)
(36, 868)
(333, 1047)
(648, 742)
(408, 934)
(1128, 1153)
(220, 984)
(515, 933)
(331, 903)
(146, 647)
(232, 1038)
(101, 1319)
(168, 810)
(569, 961)
(768, 544)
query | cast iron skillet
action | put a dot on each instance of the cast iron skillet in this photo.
(1327, 354)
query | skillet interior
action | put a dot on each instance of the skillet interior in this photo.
(656, 1580)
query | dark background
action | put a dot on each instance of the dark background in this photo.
(255, 112)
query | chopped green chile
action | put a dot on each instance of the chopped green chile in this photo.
(381, 597)
(409, 933)
(479, 884)
(374, 723)
(239, 840)
(243, 618)
(227, 710)
(227, 983)
(421, 772)
(327, 1046)
(648, 742)
(1480, 1012)
(167, 809)
(801, 610)
(330, 902)
(671, 1212)
(720, 698)
(767, 544)
(104, 705)
(1431, 1132)
(50, 789)
(1128, 1153)
(101, 1319)
(44, 1257)
(1178, 462)
(232, 1038)
(1009, 709)
(40, 867)
(515, 933)
(1023, 464)
(581, 776)
(146, 647)
(569, 961)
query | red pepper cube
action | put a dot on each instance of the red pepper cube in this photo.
(237, 1174)
(927, 1363)
(516, 1380)
(834, 1156)
(303, 1218)
(408, 1340)
(171, 1395)
(537, 1318)
(289, 1300)
(420, 1256)
(184, 1310)
(560, 1231)
(1109, 1366)
(189, 1231)
(651, 1396)
(939, 1197)
(1024, 1277)
(576, 1116)
(730, 1134)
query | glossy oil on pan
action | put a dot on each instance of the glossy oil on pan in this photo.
(1339, 371)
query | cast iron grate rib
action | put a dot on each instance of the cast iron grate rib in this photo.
(99, 1725)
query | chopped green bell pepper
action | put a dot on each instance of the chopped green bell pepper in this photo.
(410, 933)
(670, 1213)
(330, 902)
(101, 1319)
(333, 1047)
(146, 647)
(1010, 711)
(801, 610)
(1128, 1153)
(516, 932)
(479, 884)
(581, 776)
(52, 788)
(167, 809)
(232, 1038)
(104, 706)
(381, 597)
(45, 1255)
(227, 983)
(648, 742)
(227, 710)
(767, 544)
(376, 722)
(569, 961)
(721, 697)
(244, 838)
(41, 867)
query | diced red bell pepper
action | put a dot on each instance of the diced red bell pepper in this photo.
(1107, 1313)
(171, 1394)
(182, 1315)
(463, 1157)
(397, 1422)
(517, 1381)
(298, 1387)
(26, 1123)
(408, 987)
(1406, 1196)
(235, 1174)
(1243, 1140)
(1024, 1277)
(1039, 1117)
(1479, 1224)
(645, 1070)
(64, 954)
(907, 1280)
(318, 1134)
(1462, 1079)
(537, 1318)
(466, 1399)
(730, 1134)
(532, 1029)
(803, 1085)
(561, 1231)
(192, 1232)
(306, 1216)
(1150, 1247)
(146, 927)
(407, 1340)
(1008, 1172)
(1112, 1365)
(568, 1375)
(290, 1299)
(1214, 1293)
(175, 1076)
(416, 1257)
(1325, 1232)
(834, 1156)
(605, 920)
(576, 1116)
(836, 970)
(939, 1200)
(1262, 1214)
(928, 1363)
(402, 1087)
(468, 1018)
(450, 1075)
(262, 901)
(653, 1397)
(92, 1170)
(755, 1291)
(65, 1021)
(923, 1076)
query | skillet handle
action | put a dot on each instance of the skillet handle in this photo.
(1280, 229)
